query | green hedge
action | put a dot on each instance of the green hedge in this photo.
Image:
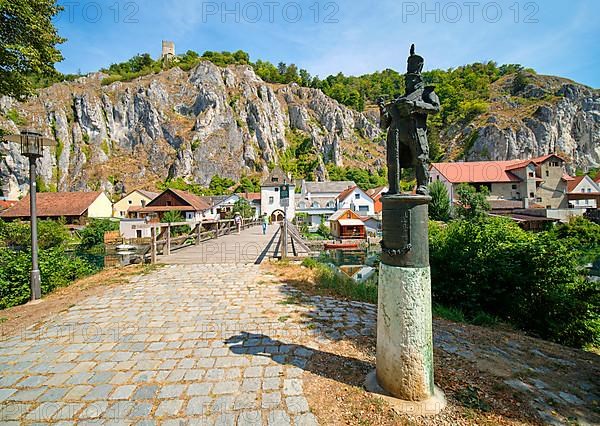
(532, 280)
(57, 269)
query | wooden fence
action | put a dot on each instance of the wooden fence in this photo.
(163, 243)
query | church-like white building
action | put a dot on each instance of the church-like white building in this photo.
(270, 200)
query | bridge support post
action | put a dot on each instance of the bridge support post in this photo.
(167, 249)
(198, 233)
(153, 245)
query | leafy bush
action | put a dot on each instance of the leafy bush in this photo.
(531, 280)
(92, 236)
(57, 269)
(17, 235)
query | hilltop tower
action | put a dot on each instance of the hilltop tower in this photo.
(168, 49)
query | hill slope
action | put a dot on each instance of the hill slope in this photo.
(227, 121)
(210, 120)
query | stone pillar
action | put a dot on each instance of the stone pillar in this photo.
(404, 326)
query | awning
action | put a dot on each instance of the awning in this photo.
(351, 222)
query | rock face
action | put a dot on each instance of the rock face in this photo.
(208, 121)
(550, 115)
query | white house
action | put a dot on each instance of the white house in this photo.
(270, 201)
(583, 192)
(318, 200)
(356, 200)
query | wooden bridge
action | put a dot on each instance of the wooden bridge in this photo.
(219, 242)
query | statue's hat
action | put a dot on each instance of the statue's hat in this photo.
(415, 62)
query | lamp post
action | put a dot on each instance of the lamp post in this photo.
(32, 147)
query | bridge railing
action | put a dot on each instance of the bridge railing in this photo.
(163, 243)
(290, 238)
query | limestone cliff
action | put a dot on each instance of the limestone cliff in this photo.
(195, 124)
(545, 115)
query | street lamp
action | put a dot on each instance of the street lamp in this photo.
(32, 147)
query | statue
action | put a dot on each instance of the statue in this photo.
(406, 120)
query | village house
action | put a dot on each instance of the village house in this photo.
(347, 224)
(376, 194)
(583, 193)
(192, 208)
(75, 207)
(270, 202)
(136, 198)
(540, 180)
(318, 200)
(356, 200)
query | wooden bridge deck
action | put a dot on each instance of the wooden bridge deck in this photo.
(250, 246)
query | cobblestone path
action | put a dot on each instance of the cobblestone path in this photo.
(193, 344)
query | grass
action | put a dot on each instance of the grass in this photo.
(456, 315)
(341, 285)
(14, 116)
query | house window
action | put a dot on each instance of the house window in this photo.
(531, 195)
(548, 207)
(331, 205)
(276, 189)
(531, 174)
(363, 209)
(169, 203)
(271, 200)
(274, 179)
(589, 190)
(138, 233)
(583, 190)
(538, 200)
(437, 177)
(547, 173)
(130, 201)
(315, 205)
(357, 196)
(514, 187)
(554, 164)
(302, 205)
(143, 203)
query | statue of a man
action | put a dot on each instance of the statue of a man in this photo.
(406, 120)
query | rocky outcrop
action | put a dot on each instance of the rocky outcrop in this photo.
(550, 115)
(208, 121)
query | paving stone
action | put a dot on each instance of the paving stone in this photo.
(99, 392)
(225, 387)
(249, 418)
(140, 409)
(44, 411)
(123, 392)
(199, 406)
(94, 410)
(22, 395)
(13, 410)
(145, 392)
(251, 385)
(271, 400)
(169, 407)
(68, 411)
(53, 394)
(296, 404)
(32, 382)
(292, 387)
(199, 389)
(171, 391)
(278, 418)
(246, 401)
(5, 393)
(271, 383)
(306, 419)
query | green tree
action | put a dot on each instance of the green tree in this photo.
(92, 236)
(471, 204)
(243, 207)
(29, 40)
(174, 216)
(440, 207)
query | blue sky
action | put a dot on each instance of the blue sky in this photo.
(554, 37)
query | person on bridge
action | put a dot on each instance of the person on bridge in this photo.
(238, 222)
(265, 222)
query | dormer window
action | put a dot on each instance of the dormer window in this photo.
(274, 179)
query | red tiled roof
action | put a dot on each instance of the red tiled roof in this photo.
(250, 196)
(487, 171)
(574, 182)
(597, 180)
(193, 200)
(54, 204)
(477, 171)
(345, 193)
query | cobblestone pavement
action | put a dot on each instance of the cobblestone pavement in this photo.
(193, 344)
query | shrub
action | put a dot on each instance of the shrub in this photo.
(57, 269)
(439, 208)
(92, 236)
(531, 280)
